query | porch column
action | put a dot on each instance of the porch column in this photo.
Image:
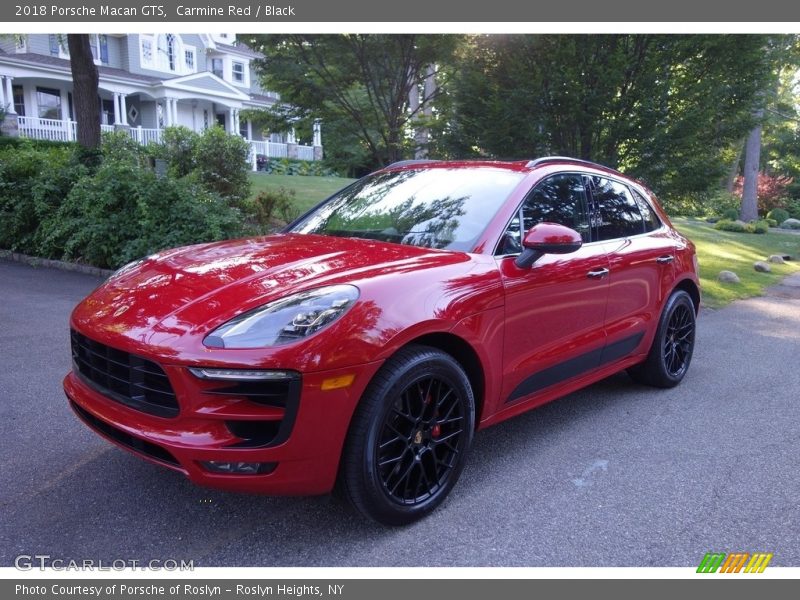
(116, 108)
(174, 111)
(238, 129)
(317, 134)
(168, 111)
(231, 120)
(123, 108)
(9, 96)
(291, 137)
(2, 90)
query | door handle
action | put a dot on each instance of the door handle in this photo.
(598, 274)
(665, 260)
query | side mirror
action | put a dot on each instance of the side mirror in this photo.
(547, 238)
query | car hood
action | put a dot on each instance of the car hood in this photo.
(197, 288)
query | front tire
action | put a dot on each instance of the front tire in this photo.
(671, 352)
(408, 441)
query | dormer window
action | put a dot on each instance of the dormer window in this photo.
(237, 70)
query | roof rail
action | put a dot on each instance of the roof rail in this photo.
(555, 159)
(413, 161)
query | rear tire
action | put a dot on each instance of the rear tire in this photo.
(671, 352)
(408, 441)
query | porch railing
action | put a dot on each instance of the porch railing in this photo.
(57, 130)
(145, 135)
(305, 152)
(65, 131)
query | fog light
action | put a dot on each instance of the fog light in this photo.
(239, 468)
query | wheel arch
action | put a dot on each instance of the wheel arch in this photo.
(465, 355)
(691, 288)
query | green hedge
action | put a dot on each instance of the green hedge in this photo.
(53, 206)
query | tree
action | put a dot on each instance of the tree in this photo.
(666, 109)
(85, 97)
(752, 158)
(359, 85)
(783, 51)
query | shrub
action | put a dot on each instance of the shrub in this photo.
(772, 222)
(720, 202)
(791, 224)
(123, 212)
(760, 227)
(33, 181)
(793, 208)
(271, 209)
(118, 146)
(730, 214)
(771, 190)
(729, 225)
(290, 166)
(778, 214)
(16, 142)
(179, 149)
(222, 165)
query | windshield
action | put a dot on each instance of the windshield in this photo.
(433, 208)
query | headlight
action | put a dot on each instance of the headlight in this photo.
(286, 320)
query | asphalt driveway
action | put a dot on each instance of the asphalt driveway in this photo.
(615, 475)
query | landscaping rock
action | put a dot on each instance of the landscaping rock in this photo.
(791, 224)
(762, 267)
(728, 277)
(776, 259)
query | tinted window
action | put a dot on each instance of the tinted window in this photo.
(614, 211)
(559, 199)
(434, 208)
(651, 222)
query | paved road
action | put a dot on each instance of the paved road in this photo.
(615, 475)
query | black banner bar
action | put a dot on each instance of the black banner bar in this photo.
(411, 11)
(397, 589)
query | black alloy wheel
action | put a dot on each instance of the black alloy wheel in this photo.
(409, 437)
(671, 351)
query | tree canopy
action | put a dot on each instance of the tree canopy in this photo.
(671, 110)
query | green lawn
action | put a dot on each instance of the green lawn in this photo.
(308, 190)
(724, 250)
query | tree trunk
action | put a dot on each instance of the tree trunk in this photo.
(86, 103)
(752, 157)
(730, 182)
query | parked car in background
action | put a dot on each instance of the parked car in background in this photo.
(369, 341)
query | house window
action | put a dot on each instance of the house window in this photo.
(49, 102)
(216, 67)
(102, 42)
(19, 100)
(147, 51)
(171, 52)
(243, 128)
(54, 45)
(237, 69)
(188, 56)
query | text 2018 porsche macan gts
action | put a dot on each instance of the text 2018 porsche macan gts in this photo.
(368, 342)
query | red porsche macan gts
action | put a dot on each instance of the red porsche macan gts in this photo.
(368, 342)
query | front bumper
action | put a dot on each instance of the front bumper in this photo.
(305, 461)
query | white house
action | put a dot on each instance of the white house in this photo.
(147, 82)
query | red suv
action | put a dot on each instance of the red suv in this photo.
(368, 341)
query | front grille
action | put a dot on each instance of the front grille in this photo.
(126, 378)
(133, 443)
